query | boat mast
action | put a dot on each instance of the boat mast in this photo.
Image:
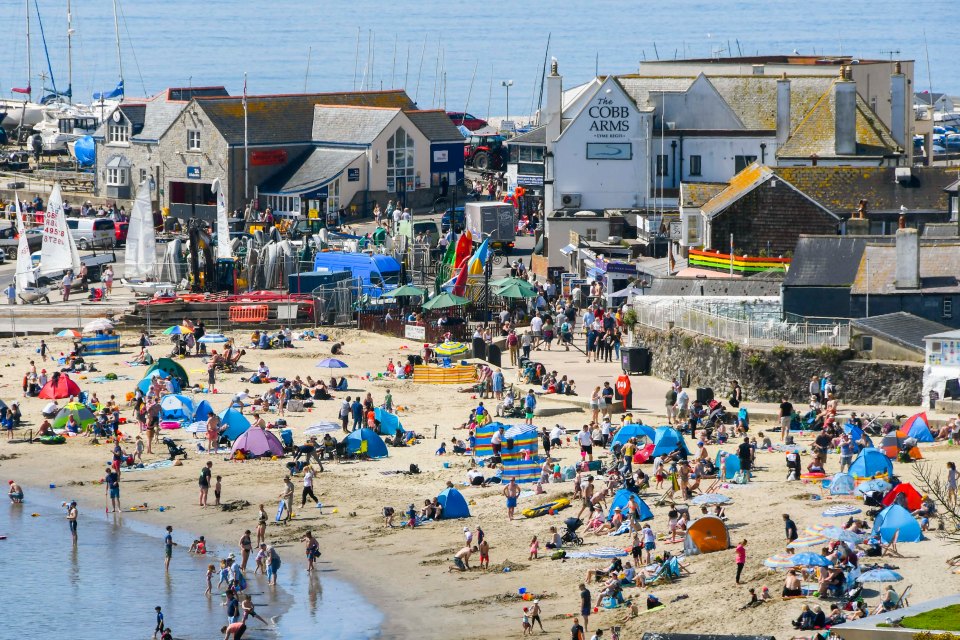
(29, 58)
(116, 31)
(69, 54)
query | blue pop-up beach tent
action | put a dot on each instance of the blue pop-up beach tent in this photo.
(666, 440)
(842, 484)
(144, 385)
(389, 422)
(175, 406)
(454, 504)
(731, 465)
(622, 497)
(871, 463)
(637, 431)
(202, 411)
(917, 427)
(233, 423)
(374, 445)
(896, 519)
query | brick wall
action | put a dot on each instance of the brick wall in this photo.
(769, 218)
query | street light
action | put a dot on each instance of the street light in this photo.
(507, 84)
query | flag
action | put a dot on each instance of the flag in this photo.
(27, 89)
(464, 244)
(460, 286)
(107, 95)
(479, 259)
(450, 254)
(244, 100)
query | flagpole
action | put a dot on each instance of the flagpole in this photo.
(246, 153)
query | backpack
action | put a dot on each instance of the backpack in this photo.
(414, 468)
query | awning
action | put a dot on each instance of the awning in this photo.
(567, 250)
(309, 175)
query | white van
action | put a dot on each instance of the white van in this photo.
(92, 233)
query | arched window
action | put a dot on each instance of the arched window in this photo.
(400, 156)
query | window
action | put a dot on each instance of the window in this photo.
(193, 140)
(116, 177)
(143, 175)
(118, 133)
(948, 308)
(590, 235)
(742, 162)
(333, 197)
(662, 166)
(866, 343)
(695, 166)
(400, 155)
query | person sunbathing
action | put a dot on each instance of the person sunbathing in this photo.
(613, 525)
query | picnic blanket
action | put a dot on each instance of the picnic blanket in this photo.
(150, 466)
(599, 552)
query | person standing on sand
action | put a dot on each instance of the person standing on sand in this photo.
(786, 416)
(345, 414)
(111, 483)
(585, 607)
(287, 497)
(213, 433)
(72, 514)
(168, 548)
(740, 555)
(312, 549)
(204, 483)
(511, 492)
(273, 563)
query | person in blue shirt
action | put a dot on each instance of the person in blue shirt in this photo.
(530, 404)
(480, 410)
(160, 627)
(357, 410)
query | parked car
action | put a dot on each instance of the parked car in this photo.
(457, 216)
(429, 229)
(471, 122)
(92, 233)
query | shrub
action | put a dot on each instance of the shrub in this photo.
(630, 318)
(686, 342)
(755, 360)
(732, 348)
(780, 351)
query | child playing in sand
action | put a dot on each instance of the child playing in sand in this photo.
(138, 456)
(216, 491)
(534, 548)
(658, 470)
(261, 561)
(484, 548)
(527, 627)
(211, 571)
(224, 574)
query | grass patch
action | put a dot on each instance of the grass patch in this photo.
(944, 619)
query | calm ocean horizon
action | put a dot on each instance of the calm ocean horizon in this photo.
(432, 48)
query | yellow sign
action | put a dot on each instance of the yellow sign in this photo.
(313, 214)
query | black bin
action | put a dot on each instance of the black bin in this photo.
(479, 348)
(493, 355)
(635, 360)
(704, 395)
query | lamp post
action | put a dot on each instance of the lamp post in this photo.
(507, 84)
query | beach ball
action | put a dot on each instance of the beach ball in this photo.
(336, 510)
(552, 512)
(596, 609)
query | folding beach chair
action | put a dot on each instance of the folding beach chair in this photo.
(890, 549)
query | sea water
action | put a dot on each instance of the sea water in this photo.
(432, 47)
(109, 583)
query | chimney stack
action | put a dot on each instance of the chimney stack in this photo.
(908, 258)
(553, 112)
(898, 106)
(845, 114)
(783, 109)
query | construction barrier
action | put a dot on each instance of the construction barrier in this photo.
(249, 313)
(457, 374)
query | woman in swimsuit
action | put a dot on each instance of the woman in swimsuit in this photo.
(245, 547)
(312, 549)
(261, 526)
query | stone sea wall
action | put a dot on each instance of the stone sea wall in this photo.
(766, 375)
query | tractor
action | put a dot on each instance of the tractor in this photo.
(486, 152)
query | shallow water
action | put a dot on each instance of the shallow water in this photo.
(109, 584)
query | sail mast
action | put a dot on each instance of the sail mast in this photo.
(116, 31)
(29, 57)
(69, 54)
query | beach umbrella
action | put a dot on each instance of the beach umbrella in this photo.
(607, 552)
(879, 575)
(177, 330)
(837, 533)
(451, 348)
(321, 428)
(808, 541)
(503, 282)
(810, 560)
(841, 511)
(444, 301)
(877, 484)
(711, 498)
(331, 363)
(515, 291)
(100, 324)
(69, 333)
(81, 414)
(405, 290)
(213, 338)
(779, 561)
(814, 530)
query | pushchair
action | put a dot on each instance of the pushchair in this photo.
(174, 449)
(717, 414)
(570, 533)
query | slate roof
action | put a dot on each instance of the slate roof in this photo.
(754, 98)
(827, 261)
(313, 170)
(697, 194)
(534, 136)
(279, 119)
(160, 111)
(940, 230)
(939, 266)
(840, 188)
(639, 88)
(742, 287)
(350, 125)
(739, 185)
(927, 98)
(136, 114)
(816, 133)
(436, 125)
(901, 327)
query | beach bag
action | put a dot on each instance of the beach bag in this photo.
(741, 477)
(558, 555)
(414, 468)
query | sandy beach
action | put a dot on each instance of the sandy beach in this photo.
(404, 571)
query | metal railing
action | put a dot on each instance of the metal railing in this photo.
(764, 333)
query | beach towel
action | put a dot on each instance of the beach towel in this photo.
(160, 464)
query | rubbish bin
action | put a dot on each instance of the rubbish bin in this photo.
(635, 360)
(479, 348)
(704, 395)
(493, 355)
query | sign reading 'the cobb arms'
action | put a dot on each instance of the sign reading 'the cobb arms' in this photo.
(608, 115)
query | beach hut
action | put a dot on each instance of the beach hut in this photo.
(258, 442)
(175, 407)
(706, 535)
(202, 411)
(365, 441)
(454, 504)
(730, 464)
(389, 422)
(910, 495)
(64, 387)
(871, 463)
(144, 385)
(895, 519)
(918, 427)
(170, 367)
(842, 484)
(233, 424)
(666, 440)
(643, 434)
(622, 497)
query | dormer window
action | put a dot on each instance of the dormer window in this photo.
(118, 132)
